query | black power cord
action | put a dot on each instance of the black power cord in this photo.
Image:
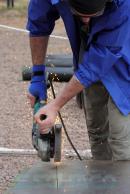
(64, 127)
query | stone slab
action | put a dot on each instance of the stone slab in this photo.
(75, 177)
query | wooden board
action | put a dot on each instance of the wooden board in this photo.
(75, 177)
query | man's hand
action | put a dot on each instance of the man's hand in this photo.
(37, 88)
(50, 112)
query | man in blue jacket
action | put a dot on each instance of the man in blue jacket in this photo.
(104, 69)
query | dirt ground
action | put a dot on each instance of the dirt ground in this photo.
(16, 114)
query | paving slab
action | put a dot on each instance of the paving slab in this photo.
(40, 179)
(75, 177)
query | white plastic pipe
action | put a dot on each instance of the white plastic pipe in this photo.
(19, 152)
(26, 31)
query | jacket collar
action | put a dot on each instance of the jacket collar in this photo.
(99, 22)
(54, 2)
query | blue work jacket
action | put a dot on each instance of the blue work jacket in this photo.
(107, 54)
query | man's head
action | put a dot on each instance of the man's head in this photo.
(87, 8)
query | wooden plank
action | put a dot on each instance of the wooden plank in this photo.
(75, 177)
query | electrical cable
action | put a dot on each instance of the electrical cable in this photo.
(64, 127)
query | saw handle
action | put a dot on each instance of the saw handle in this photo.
(43, 117)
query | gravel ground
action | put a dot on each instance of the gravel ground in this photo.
(16, 114)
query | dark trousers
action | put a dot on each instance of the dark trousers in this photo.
(108, 128)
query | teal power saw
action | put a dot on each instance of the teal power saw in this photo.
(48, 145)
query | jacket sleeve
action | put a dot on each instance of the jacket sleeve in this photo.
(95, 64)
(41, 17)
(103, 53)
